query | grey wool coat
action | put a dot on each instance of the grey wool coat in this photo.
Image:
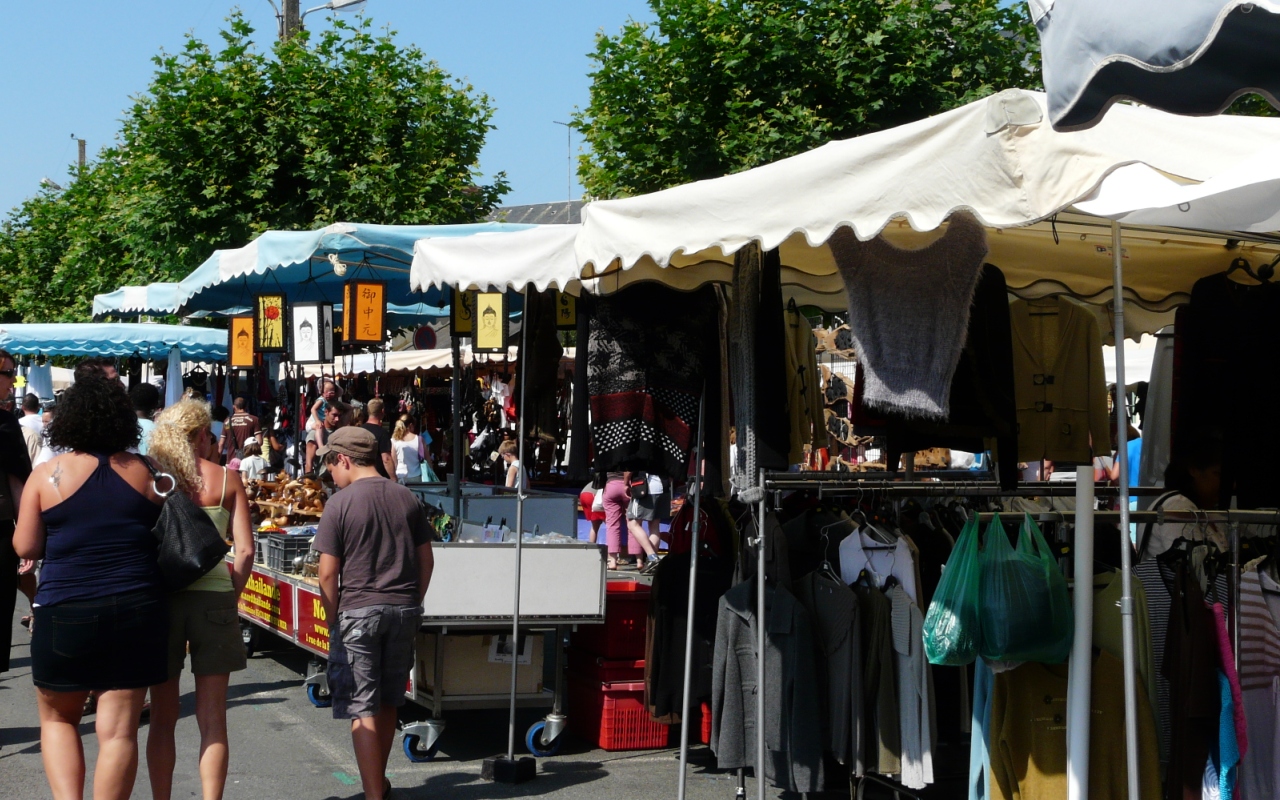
(793, 720)
(837, 654)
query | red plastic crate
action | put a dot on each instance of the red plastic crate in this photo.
(612, 716)
(592, 668)
(706, 724)
(626, 613)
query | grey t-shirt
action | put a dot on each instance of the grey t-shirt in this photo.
(375, 526)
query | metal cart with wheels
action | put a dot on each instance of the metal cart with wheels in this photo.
(463, 653)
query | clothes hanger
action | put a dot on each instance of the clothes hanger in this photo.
(1263, 275)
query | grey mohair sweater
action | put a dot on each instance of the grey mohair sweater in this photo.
(909, 313)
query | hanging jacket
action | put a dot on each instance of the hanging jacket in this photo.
(837, 654)
(1060, 385)
(804, 389)
(792, 738)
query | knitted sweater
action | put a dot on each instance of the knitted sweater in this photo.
(909, 311)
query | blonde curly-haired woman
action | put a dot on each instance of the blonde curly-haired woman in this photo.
(203, 616)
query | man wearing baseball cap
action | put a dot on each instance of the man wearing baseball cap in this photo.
(374, 540)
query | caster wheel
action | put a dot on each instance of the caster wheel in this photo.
(415, 752)
(533, 741)
(249, 636)
(318, 697)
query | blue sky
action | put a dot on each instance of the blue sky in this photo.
(70, 67)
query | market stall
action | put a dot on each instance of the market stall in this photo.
(288, 283)
(998, 159)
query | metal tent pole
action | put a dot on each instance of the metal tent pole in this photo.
(760, 626)
(515, 616)
(1126, 548)
(1080, 671)
(455, 478)
(693, 587)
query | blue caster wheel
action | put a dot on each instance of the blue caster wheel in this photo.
(415, 752)
(533, 741)
(318, 697)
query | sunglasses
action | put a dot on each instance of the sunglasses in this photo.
(8, 373)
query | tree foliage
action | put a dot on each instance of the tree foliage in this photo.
(718, 86)
(228, 143)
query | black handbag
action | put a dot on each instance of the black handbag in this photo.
(639, 486)
(189, 543)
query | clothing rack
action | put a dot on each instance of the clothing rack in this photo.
(845, 485)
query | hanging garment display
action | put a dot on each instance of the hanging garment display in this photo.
(1260, 680)
(541, 366)
(1060, 384)
(804, 394)
(882, 727)
(1108, 631)
(669, 617)
(908, 311)
(981, 396)
(1191, 666)
(792, 737)
(915, 691)
(1029, 735)
(1229, 375)
(773, 428)
(647, 363)
(1157, 419)
(837, 657)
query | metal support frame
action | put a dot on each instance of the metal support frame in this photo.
(693, 588)
(459, 455)
(1126, 550)
(761, 616)
(520, 492)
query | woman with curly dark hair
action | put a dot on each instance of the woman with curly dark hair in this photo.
(101, 615)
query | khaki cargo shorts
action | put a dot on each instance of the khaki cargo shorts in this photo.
(370, 657)
(206, 624)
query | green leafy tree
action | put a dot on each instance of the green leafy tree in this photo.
(717, 86)
(228, 143)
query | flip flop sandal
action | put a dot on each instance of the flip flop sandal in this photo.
(835, 387)
(840, 429)
(842, 341)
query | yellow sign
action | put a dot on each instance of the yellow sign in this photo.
(566, 312)
(490, 322)
(364, 312)
(463, 313)
(270, 333)
(240, 343)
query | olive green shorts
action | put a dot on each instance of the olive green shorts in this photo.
(207, 625)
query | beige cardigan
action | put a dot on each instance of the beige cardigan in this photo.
(1060, 388)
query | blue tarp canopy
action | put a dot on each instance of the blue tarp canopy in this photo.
(301, 264)
(161, 299)
(114, 340)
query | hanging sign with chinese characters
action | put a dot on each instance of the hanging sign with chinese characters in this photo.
(566, 312)
(312, 325)
(490, 323)
(240, 342)
(270, 320)
(364, 312)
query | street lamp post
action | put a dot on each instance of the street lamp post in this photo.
(289, 17)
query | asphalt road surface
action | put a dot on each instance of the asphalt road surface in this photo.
(283, 747)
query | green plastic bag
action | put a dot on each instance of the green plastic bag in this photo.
(1025, 610)
(951, 626)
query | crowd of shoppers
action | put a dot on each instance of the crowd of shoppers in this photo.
(105, 631)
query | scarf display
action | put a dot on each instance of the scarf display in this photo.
(647, 357)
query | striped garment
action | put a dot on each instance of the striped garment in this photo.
(1259, 635)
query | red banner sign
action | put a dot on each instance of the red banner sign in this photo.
(313, 624)
(268, 601)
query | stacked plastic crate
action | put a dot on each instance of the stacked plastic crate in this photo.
(606, 675)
